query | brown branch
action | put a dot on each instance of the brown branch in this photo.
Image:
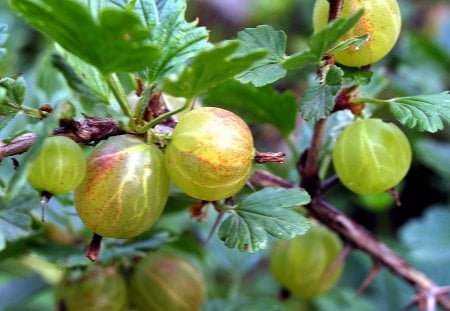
(335, 9)
(269, 157)
(89, 130)
(360, 238)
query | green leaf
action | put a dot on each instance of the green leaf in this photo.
(324, 42)
(321, 41)
(353, 41)
(300, 60)
(15, 89)
(265, 212)
(81, 77)
(179, 40)
(428, 238)
(425, 112)
(318, 100)
(334, 78)
(316, 103)
(4, 120)
(13, 226)
(211, 68)
(256, 105)
(268, 69)
(116, 41)
(435, 155)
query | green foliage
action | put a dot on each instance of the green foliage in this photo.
(256, 105)
(435, 155)
(14, 91)
(323, 41)
(211, 68)
(91, 87)
(427, 237)
(268, 211)
(318, 100)
(116, 41)
(116, 55)
(15, 226)
(178, 39)
(268, 69)
(425, 112)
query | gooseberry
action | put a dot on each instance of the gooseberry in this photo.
(125, 188)
(210, 154)
(59, 167)
(163, 281)
(303, 265)
(97, 289)
(371, 156)
(381, 21)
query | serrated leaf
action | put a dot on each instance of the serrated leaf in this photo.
(268, 69)
(179, 40)
(334, 78)
(424, 113)
(321, 41)
(116, 41)
(428, 238)
(267, 211)
(211, 68)
(317, 102)
(262, 105)
(300, 60)
(14, 226)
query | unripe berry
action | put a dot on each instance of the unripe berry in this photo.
(210, 154)
(381, 21)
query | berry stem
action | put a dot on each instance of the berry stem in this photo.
(45, 197)
(94, 247)
(159, 119)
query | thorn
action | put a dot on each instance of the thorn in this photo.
(214, 227)
(337, 262)
(93, 250)
(45, 197)
(369, 278)
(250, 185)
(394, 193)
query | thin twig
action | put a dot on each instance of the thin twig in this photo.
(360, 238)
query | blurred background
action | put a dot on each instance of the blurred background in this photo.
(418, 229)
